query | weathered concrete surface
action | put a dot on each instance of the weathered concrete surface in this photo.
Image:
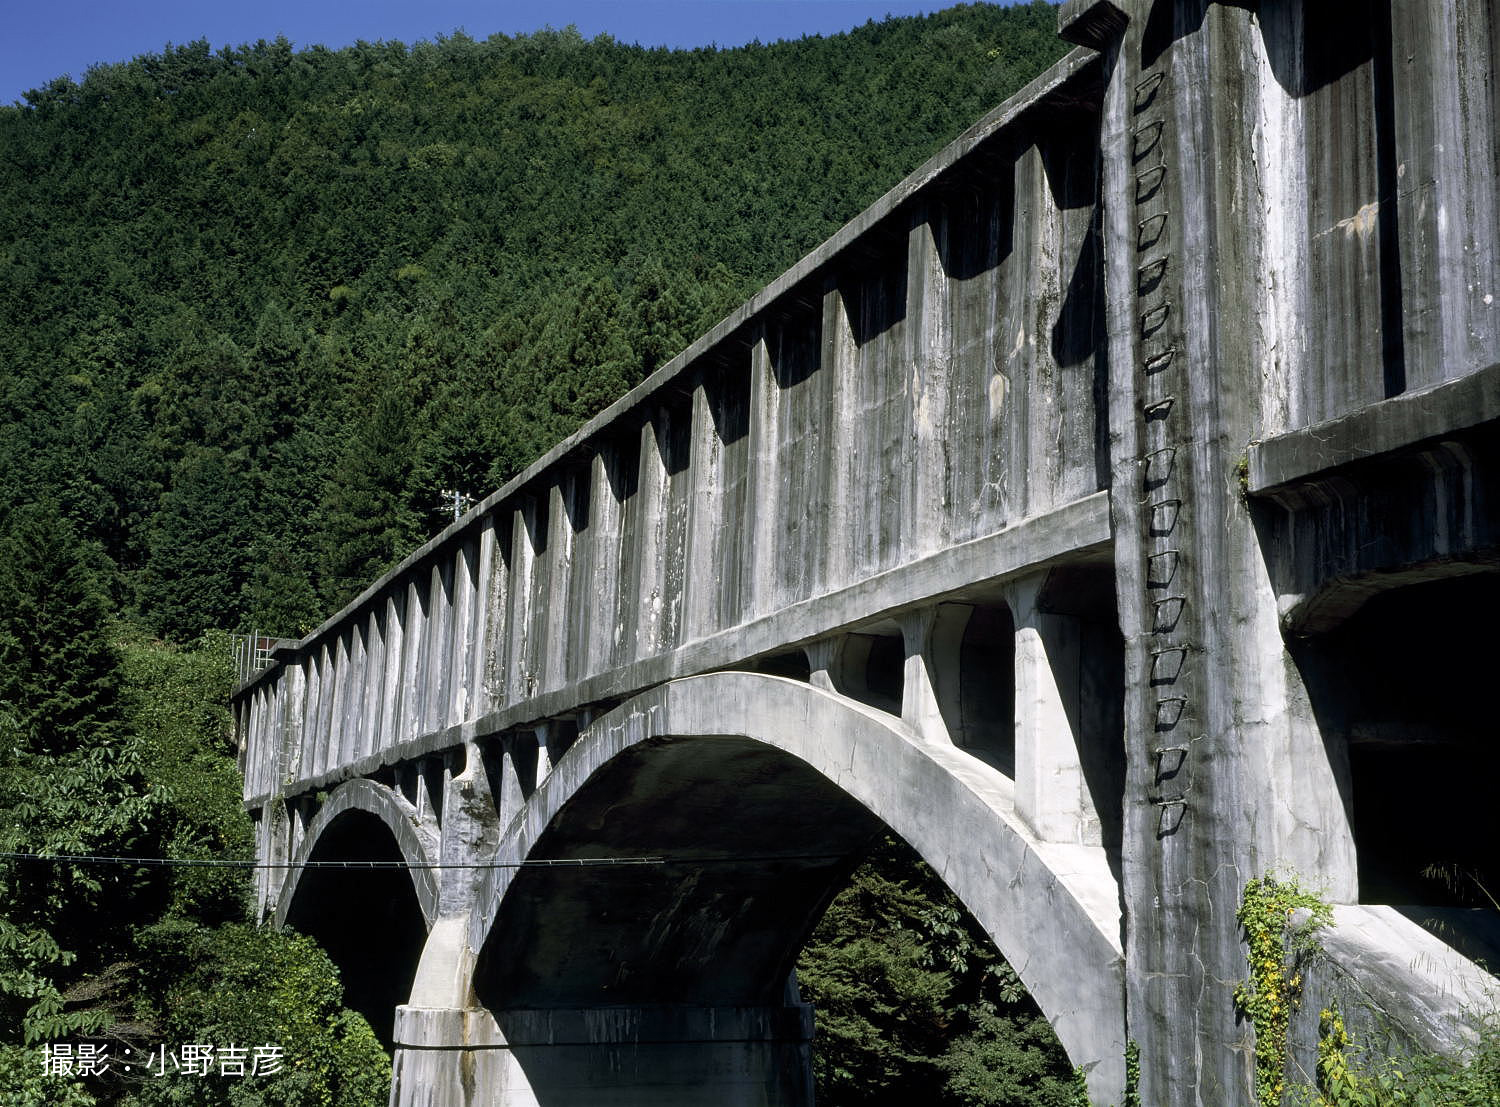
(1078, 530)
(1115, 461)
(1397, 982)
(1389, 496)
(766, 790)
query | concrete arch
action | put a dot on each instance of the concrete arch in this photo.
(418, 846)
(1052, 910)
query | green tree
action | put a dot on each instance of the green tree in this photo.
(914, 1004)
(201, 542)
(176, 702)
(369, 520)
(581, 355)
(70, 777)
(248, 987)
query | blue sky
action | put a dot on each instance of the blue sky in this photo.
(46, 39)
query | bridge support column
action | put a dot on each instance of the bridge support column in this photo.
(836, 665)
(929, 686)
(454, 1057)
(272, 848)
(1052, 792)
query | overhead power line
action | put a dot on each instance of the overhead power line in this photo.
(538, 863)
(187, 862)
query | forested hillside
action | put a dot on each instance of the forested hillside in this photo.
(263, 310)
(263, 313)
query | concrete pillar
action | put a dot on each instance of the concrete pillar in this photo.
(454, 1057)
(924, 511)
(922, 686)
(372, 714)
(272, 839)
(352, 676)
(520, 678)
(413, 657)
(650, 528)
(299, 759)
(604, 536)
(759, 582)
(846, 469)
(581, 608)
(292, 726)
(827, 662)
(471, 829)
(518, 759)
(317, 761)
(462, 637)
(448, 1052)
(489, 596)
(429, 780)
(1052, 793)
(705, 506)
(391, 687)
(1223, 778)
(552, 657)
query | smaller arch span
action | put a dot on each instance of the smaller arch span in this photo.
(418, 845)
(372, 922)
(1052, 910)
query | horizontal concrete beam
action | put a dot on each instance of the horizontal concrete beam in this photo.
(1379, 428)
(1076, 529)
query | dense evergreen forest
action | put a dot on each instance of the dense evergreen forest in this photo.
(263, 313)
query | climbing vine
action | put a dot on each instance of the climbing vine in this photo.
(1338, 1083)
(1277, 950)
(1132, 1075)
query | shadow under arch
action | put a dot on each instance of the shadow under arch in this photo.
(761, 793)
(372, 922)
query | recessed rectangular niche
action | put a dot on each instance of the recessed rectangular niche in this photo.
(874, 293)
(726, 384)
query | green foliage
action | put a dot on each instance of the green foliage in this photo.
(57, 664)
(200, 546)
(239, 985)
(176, 701)
(1348, 1076)
(69, 775)
(129, 956)
(1277, 951)
(369, 523)
(914, 1005)
(22, 1083)
(227, 276)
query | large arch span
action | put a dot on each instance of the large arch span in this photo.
(761, 793)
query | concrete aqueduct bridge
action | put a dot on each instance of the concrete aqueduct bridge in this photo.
(1108, 511)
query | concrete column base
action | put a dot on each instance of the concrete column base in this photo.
(604, 1057)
